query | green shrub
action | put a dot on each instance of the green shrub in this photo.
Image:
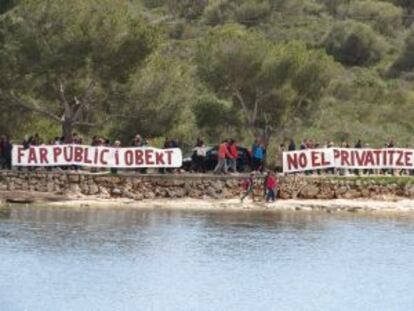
(252, 13)
(354, 44)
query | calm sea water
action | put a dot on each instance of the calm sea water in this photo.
(126, 259)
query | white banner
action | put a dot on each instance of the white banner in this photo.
(88, 156)
(347, 158)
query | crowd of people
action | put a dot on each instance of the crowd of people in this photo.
(311, 144)
(228, 157)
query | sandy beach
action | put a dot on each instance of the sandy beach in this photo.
(235, 204)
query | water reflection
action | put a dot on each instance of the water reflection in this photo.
(130, 259)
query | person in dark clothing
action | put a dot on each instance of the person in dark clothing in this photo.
(358, 145)
(199, 156)
(292, 145)
(304, 145)
(168, 144)
(7, 154)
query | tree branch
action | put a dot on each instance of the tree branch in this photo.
(35, 108)
(79, 104)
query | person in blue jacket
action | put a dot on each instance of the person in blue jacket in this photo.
(258, 156)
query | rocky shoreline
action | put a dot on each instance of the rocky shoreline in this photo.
(201, 186)
(328, 193)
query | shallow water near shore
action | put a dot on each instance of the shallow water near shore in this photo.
(118, 258)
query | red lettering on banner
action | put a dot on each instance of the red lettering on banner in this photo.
(315, 158)
(400, 156)
(391, 159)
(57, 151)
(96, 156)
(128, 157)
(159, 158)
(345, 157)
(148, 157)
(139, 157)
(43, 155)
(369, 158)
(20, 154)
(116, 157)
(78, 153)
(336, 153)
(352, 158)
(68, 157)
(303, 160)
(360, 157)
(408, 158)
(377, 154)
(318, 159)
(87, 160)
(102, 157)
(169, 156)
(384, 158)
(292, 160)
(32, 156)
(324, 161)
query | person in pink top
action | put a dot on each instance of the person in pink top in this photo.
(271, 185)
(223, 153)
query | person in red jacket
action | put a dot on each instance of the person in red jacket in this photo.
(233, 155)
(271, 185)
(223, 153)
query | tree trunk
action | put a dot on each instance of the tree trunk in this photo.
(67, 131)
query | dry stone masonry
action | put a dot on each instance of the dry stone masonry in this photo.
(140, 187)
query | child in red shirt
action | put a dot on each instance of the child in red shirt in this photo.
(271, 185)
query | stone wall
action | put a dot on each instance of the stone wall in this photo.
(139, 187)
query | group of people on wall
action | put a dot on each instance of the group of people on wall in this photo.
(227, 157)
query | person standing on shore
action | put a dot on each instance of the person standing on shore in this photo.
(223, 153)
(271, 185)
(248, 187)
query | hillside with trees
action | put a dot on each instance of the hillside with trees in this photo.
(322, 69)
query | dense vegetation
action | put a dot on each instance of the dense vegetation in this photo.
(322, 69)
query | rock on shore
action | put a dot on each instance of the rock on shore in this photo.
(63, 185)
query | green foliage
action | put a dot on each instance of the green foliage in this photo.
(64, 57)
(183, 68)
(269, 83)
(215, 117)
(155, 98)
(6, 5)
(405, 62)
(252, 13)
(217, 12)
(384, 17)
(355, 44)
